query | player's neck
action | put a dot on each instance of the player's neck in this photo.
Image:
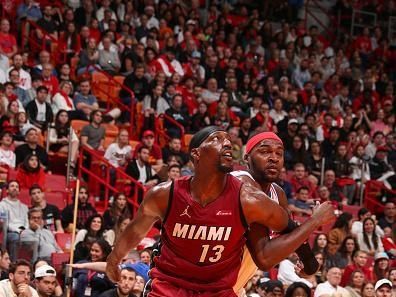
(205, 188)
(265, 187)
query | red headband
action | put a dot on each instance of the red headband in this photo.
(258, 138)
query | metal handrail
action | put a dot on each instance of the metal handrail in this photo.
(115, 101)
(106, 182)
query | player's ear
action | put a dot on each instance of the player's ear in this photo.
(194, 154)
(246, 158)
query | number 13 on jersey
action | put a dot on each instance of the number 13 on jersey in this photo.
(215, 253)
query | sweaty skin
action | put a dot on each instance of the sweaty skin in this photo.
(265, 162)
(212, 161)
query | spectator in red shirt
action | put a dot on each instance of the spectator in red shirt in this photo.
(300, 179)
(30, 172)
(148, 140)
(8, 45)
(359, 262)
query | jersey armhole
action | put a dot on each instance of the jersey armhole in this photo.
(241, 214)
(169, 202)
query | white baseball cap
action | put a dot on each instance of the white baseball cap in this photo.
(44, 270)
(382, 282)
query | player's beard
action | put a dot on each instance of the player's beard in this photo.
(260, 176)
(225, 169)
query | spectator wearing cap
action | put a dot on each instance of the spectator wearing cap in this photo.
(194, 67)
(380, 169)
(31, 147)
(39, 111)
(383, 288)
(148, 140)
(46, 282)
(332, 285)
(381, 265)
(18, 282)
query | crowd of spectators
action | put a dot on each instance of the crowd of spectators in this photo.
(246, 66)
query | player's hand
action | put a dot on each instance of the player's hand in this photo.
(112, 270)
(324, 213)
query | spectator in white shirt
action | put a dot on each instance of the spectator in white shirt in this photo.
(25, 80)
(368, 240)
(332, 286)
(120, 151)
(357, 226)
(287, 274)
(7, 155)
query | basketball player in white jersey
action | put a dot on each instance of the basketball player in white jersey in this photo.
(264, 155)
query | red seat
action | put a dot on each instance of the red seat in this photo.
(58, 261)
(24, 197)
(64, 240)
(55, 183)
(352, 209)
(56, 198)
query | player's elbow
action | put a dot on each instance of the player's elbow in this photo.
(264, 262)
(281, 221)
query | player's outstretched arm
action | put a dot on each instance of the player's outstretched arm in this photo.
(259, 208)
(153, 208)
(262, 249)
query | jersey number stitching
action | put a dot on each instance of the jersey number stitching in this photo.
(217, 250)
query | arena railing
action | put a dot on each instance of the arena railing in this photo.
(312, 5)
(48, 42)
(161, 131)
(110, 87)
(97, 174)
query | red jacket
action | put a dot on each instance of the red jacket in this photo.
(27, 179)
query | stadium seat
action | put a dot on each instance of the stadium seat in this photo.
(64, 241)
(352, 209)
(78, 125)
(187, 139)
(111, 130)
(55, 183)
(56, 198)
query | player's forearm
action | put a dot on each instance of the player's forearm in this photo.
(285, 244)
